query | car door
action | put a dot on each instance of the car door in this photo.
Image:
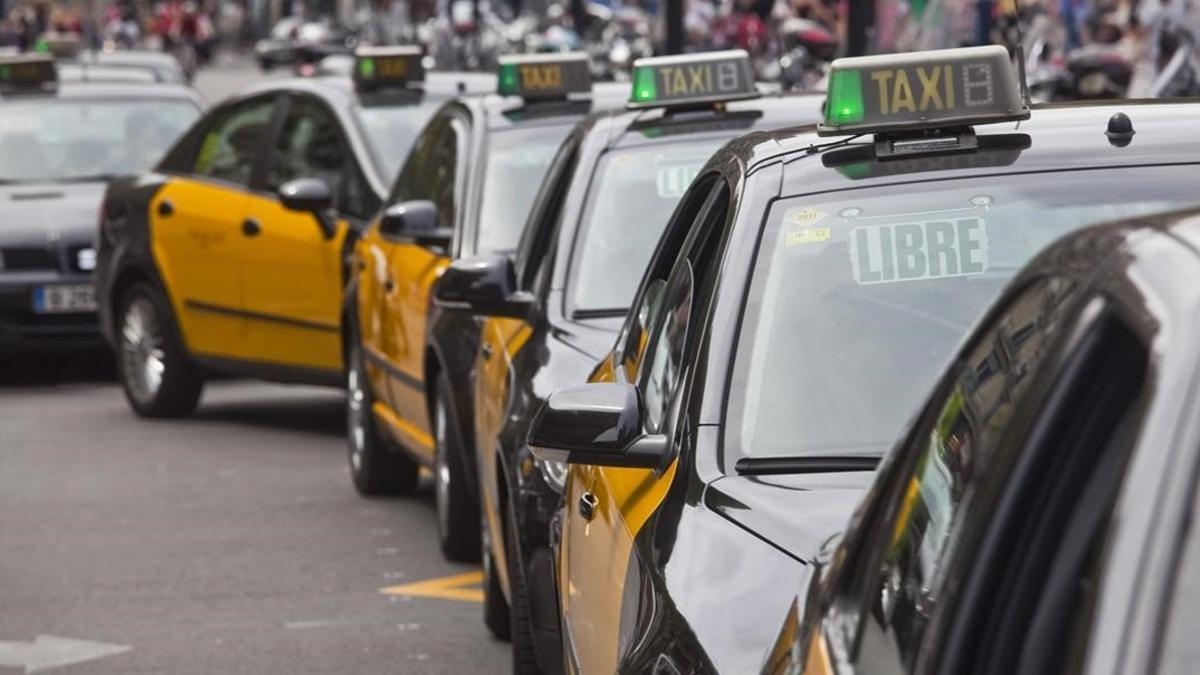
(292, 271)
(195, 224)
(434, 172)
(606, 507)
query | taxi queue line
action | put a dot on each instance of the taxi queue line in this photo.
(657, 385)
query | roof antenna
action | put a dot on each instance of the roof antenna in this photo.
(1020, 53)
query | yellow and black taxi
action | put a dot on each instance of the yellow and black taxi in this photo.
(1038, 516)
(806, 294)
(552, 307)
(231, 254)
(466, 189)
(60, 144)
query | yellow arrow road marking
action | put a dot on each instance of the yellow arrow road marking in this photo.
(454, 587)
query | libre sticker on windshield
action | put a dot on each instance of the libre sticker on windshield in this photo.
(954, 247)
(808, 235)
(673, 179)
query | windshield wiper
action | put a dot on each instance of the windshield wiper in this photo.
(765, 466)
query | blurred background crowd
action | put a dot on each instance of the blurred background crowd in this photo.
(1072, 48)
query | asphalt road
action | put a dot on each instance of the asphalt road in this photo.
(229, 542)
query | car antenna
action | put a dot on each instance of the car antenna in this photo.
(1020, 53)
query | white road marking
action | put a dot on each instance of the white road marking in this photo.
(47, 652)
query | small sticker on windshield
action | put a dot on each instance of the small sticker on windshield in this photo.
(953, 247)
(672, 180)
(805, 217)
(808, 235)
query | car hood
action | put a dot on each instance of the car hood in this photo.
(42, 213)
(795, 513)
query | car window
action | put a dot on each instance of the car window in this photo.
(1181, 622)
(917, 264)
(311, 145)
(941, 475)
(391, 130)
(545, 218)
(650, 300)
(431, 170)
(662, 372)
(233, 141)
(516, 164)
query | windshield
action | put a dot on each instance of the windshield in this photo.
(61, 139)
(859, 298)
(635, 192)
(517, 160)
(391, 130)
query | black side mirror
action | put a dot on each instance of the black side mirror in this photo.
(310, 195)
(484, 285)
(415, 221)
(598, 423)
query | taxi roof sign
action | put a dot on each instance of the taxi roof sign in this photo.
(384, 67)
(27, 73)
(922, 90)
(691, 79)
(544, 76)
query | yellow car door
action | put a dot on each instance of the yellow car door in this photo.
(195, 221)
(293, 261)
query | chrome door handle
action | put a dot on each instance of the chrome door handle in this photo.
(486, 350)
(587, 505)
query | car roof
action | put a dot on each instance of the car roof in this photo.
(1060, 137)
(506, 111)
(340, 88)
(69, 89)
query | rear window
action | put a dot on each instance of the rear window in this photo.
(860, 297)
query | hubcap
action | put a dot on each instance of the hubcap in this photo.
(441, 468)
(355, 417)
(143, 359)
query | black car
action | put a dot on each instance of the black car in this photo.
(1037, 517)
(800, 306)
(60, 145)
(601, 209)
(466, 189)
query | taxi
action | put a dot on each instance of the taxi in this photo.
(801, 303)
(231, 254)
(1010, 531)
(61, 142)
(466, 188)
(552, 306)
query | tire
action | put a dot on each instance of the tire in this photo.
(376, 468)
(457, 509)
(524, 652)
(496, 613)
(158, 378)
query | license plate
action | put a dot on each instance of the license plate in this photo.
(66, 298)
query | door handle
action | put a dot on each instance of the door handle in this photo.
(486, 350)
(389, 285)
(587, 506)
(165, 208)
(251, 227)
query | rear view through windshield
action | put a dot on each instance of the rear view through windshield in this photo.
(65, 139)
(632, 197)
(859, 298)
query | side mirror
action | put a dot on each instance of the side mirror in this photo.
(310, 195)
(484, 285)
(415, 221)
(598, 423)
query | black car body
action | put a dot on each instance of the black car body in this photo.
(1064, 445)
(50, 221)
(548, 341)
(767, 365)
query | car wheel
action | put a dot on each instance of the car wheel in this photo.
(158, 378)
(457, 510)
(495, 606)
(524, 653)
(375, 466)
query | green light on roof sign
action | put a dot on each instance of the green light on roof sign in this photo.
(366, 68)
(845, 104)
(645, 90)
(510, 82)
